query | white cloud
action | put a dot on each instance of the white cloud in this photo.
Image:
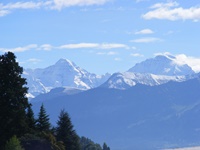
(182, 59)
(169, 32)
(165, 54)
(112, 45)
(34, 60)
(165, 5)
(117, 59)
(93, 45)
(49, 47)
(137, 55)
(193, 62)
(46, 47)
(108, 53)
(22, 5)
(171, 11)
(19, 49)
(59, 4)
(4, 12)
(112, 53)
(8, 8)
(79, 45)
(137, 1)
(145, 31)
(133, 47)
(146, 40)
(186, 148)
(5, 9)
(101, 53)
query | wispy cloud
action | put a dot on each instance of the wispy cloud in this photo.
(19, 49)
(165, 5)
(146, 40)
(79, 45)
(45, 47)
(49, 47)
(34, 60)
(169, 32)
(94, 45)
(101, 53)
(6, 9)
(4, 12)
(182, 59)
(112, 53)
(137, 1)
(145, 31)
(137, 55)
(59, 4)
(118, 59)
(112, 45)
(25, 5)
(193, 62)
(172, 11)
(107, 53)
(133, 47)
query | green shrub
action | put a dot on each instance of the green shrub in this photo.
(13, 144)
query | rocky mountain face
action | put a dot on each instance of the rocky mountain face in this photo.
(62, 74)
(162, 65)
(154, 71)
(128, 79)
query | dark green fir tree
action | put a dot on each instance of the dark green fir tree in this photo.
(43, 120)
(66, 133)
(13, 144)
(87, 144)
(105, 147)
(13, 100)
(31, 121)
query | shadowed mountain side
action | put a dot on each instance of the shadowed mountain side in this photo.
(142, 117)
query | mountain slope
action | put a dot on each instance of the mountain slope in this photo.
(154, 71)
(142, 117)
(128, 79)
(63, 74)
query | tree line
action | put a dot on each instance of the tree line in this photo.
(20, 130)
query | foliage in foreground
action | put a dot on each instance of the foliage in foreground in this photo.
(13, 144)
(13, 102)
(17, 117)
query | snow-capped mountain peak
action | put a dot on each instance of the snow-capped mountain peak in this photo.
(66, 65)
(154, 71)
(129, 79)
(64, 73)
(63, 61)
(165, 56)
(162, 65)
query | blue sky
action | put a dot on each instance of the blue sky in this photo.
(100, 35)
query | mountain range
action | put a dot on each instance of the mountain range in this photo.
(141, 117)
(162, 65)
(155, 105)
(62, 74)
(65, 73)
